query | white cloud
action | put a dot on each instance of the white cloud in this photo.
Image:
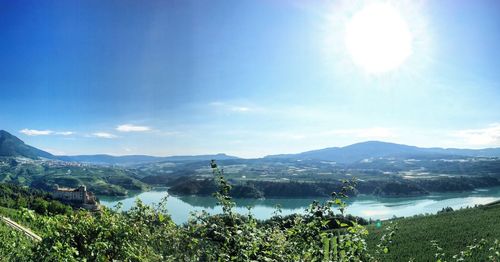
(240, 109)
(235, 108)
(34, 132)
(489, 136)
(65, 133)
(132, 128)
(103, 135)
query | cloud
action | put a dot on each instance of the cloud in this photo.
(132, 128)
(489, 136)
(235, 108)
(34, 132)
(65, 133)
(240, 109)
(103, 135)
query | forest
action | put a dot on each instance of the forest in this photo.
(389, 187)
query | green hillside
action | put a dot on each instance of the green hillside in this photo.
(22, 164)
(453, 231)
(13, 146)
(45, 174)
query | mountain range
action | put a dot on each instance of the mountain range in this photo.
(10, 145)
(376, 149)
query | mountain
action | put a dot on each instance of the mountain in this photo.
(487, 152)
(139, 159)
(376, 149)
(12, 146)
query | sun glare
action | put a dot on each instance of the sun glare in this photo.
(378, 38)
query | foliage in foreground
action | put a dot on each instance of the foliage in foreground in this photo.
(147, 233)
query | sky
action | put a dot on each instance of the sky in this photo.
(248, 78)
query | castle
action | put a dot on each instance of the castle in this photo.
(78, 196)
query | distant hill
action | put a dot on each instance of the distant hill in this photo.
(487, 152)
(11, 146)
(14, 147)
(140, 159)
(376, 149)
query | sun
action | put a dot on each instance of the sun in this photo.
(378, 38)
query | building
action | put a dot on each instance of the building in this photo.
(78, 195)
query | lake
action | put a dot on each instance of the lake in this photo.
(366, 206)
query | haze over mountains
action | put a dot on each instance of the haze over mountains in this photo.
(10, 145)
(139, 159)
(375, 149)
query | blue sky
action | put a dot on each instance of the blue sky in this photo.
(247, 78)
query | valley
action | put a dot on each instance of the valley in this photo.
(380, 169)
(397, 184)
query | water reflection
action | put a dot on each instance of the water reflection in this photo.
(366, 206)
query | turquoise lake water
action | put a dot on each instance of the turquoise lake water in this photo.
(363, 206)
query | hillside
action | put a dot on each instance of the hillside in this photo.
(45, 174)
(12, 146)
(453, 230)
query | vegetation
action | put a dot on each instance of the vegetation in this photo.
(13, 196)
(11, 146)
(391, 187)
(451, 231)
(44, 174)
(392, 177)
(14, 245)
(147, 233)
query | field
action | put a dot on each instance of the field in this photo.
(452, 230)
